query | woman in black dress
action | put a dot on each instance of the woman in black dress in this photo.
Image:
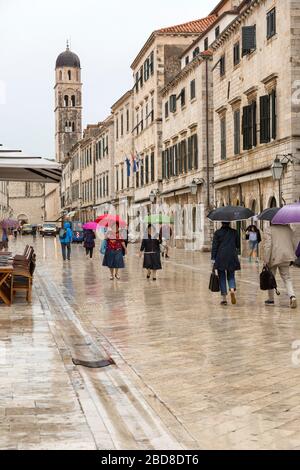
(151, 248)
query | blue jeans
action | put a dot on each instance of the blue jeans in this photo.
(66, 250)
(223, 281)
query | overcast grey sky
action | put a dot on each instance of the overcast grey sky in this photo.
(106, 35)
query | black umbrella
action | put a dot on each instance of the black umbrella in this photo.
(230, 214)
(268, 214)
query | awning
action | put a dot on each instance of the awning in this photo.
(16, 166)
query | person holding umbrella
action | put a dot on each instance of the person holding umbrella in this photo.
(89, 242)
(115, 251)
(225, 247)
(151, 248)
(225, 259)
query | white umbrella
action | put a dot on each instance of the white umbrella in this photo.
(17, 166)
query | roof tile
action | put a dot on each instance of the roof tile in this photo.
(197, 26)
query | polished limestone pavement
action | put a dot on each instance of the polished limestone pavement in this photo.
(188, 373)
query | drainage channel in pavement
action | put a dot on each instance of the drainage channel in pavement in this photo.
(118, 413)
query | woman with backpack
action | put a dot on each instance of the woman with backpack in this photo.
(89, 242)
(225, 259)
(65, 238)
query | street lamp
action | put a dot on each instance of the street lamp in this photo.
(277, 169)
(194, 185)
(153, 195)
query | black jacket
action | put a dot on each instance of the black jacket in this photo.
(89, 239)
(225, 249)
(150, 245)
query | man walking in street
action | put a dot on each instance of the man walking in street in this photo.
(279, 252)
(65, 237)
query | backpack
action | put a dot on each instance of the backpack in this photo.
(103, 247)
(62, 233)
(267, 280)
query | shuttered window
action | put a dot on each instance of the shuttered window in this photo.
(223, 138)
(171, 158)
(147, 169)
(271, 23)
(163, 165)
(168, 163)
(265, 119)
(222, 66)
(274, 114)
(193, 89)
(152, 167)
(195, 151)
(190, 154)
(236, 54)
(182, 97)
(248, 39)
(183, 156)
(237, 132)
(166, 109)
(173, 103)
(249, 126)
(179, 158)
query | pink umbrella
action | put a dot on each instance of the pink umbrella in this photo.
(288, 215)
(90, 226)
(107, 220)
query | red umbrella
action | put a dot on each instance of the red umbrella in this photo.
(107, 220)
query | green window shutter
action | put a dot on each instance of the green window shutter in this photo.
(190, 156)
(264, 111)
(195, 151)
(274, 114)
(223, 138)
(248, 39)
(152, 167)
(254, 123)
(179, 147)
(163, 172)
(184, 156)
(237, 132)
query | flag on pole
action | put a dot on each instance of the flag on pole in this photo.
(128, 166)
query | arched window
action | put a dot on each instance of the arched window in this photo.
(194, 219)
(66, 101)
(70, 125)
(73, 100)
(69, 74)
(73, 126)
(273, 202)
(60, 75)
(66, 127)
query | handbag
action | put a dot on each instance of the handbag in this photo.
(267, 280)
(297, 263)
(214, 282)
(103, 247)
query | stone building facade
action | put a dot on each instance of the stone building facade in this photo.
(124, 153)
(155, 66)
(27, 202)
(4, 208)
(256, 66)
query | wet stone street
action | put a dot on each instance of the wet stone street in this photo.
(187, 372)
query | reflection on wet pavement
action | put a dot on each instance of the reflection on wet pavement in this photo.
(189, 373)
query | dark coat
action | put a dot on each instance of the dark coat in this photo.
(89, 239)
(150, 245)
(225, 249)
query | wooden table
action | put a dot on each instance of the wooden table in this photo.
(6, 284)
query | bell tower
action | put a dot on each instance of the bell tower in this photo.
(68, 108)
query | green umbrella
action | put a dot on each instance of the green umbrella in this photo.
(159, 219)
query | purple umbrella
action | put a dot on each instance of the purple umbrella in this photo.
(90, 226)
(288, 215)
(9, 223)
